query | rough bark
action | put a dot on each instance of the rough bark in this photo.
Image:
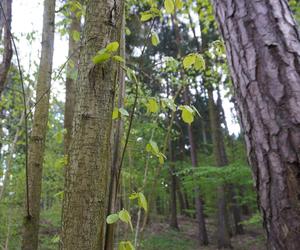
(85, 193)
(7, 44)
(220, 161)
(262, 44)
(39, 129)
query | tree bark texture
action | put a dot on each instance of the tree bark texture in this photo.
(39, 129)
(262, 44)
(85, 193)
(7, 44)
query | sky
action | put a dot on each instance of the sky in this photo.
(28, 17)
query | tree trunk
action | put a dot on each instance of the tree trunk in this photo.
(173, 202)
(7, 50)
(262, 44)
(73, 56)
(39, 129)
(220, 161)
(202, 233)
(117, 134)
(85, 193)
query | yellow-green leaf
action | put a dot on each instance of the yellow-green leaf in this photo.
(169, 6)
(76, 35)
(101, 57)
(146, 16)
(189, 60)
(125, 217)
(152, 106)
(118, 58)
(187, 116)
(142, 201)
(112, 47)
(179, 4)
(126, 245)
(155, 39)
(199, 63)
(115, 114)
(112, 218)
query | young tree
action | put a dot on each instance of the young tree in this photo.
(39, 129)
(262, 43)
(85, 193)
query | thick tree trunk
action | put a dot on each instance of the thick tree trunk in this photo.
(7, 50)
(220, 161)
(39, 129)
(262, 44)
(85, 193)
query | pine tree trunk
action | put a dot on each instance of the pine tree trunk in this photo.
(262, 44)
(85, 193)
(39, 129)
(220, 161)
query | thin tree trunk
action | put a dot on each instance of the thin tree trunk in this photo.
(39, 129)
(220, 161)
(73, 55)
(262, 43)
(7, 50)
(118, 130)
(202, 233)
(85, 193)
(173, 203)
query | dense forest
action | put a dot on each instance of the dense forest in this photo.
(166, 124)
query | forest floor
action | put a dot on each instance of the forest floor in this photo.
(160, 236)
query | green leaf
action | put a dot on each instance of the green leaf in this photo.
(115, 114)
(187, 116)
(134, 196)
(154, 146)
(189, 60)
(178, 4)
(152, 106)
(154, 39)
(199, 63)
(142, 201)
(146, 16)
(127, 31)
(125, 217)
(169, 6)
(112, 47)
(76, 35)
(123, 111)
(112, 218)
(118, 58)
(126, 245)
(101, 57)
